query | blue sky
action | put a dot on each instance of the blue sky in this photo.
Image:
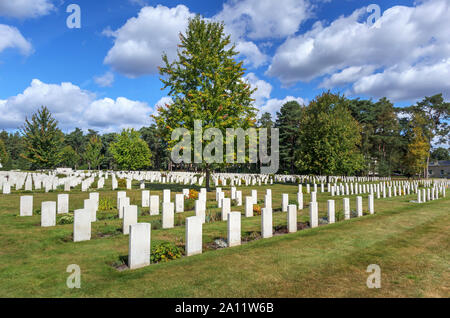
(103, 75)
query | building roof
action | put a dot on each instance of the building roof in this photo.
(439, 163)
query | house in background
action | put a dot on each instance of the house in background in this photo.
(439, 169)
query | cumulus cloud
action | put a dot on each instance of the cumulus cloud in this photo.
(106, 80)
(10, 37)
(73, 107)
(404, 40)
(273, 105)
(140, 42)
(263, 88)
(407, 83)
(25, 8)
(263, 93)
(261, 19)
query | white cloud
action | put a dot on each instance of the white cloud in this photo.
(106, 80)
(408, 38)
(73, 107)
(407, 83)
(263, 88)
(253, 56)
(273, 105)
(10, 37)
(262, 96)
(260, 19)
(348, 75)
(140, 42)
(25, 8)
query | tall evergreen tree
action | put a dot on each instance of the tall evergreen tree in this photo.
(43, 140)
(288, 123)
(158, 146)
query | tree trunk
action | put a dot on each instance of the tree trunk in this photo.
(208, 173)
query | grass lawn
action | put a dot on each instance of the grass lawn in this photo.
(410, 242)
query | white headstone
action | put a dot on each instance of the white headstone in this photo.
(331, 212)
(168, 215)
(63, 203)
(266, 223)
(26, 205)
(154, 204)
(130, 217)
(234, 229)
(292, 218)
(81, 226)
(139, 245)
(193, 235)
(48, 213)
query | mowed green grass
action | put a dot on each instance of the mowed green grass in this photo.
(410, 242)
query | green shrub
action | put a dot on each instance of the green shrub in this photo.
(109, 230)
(65, 219)
(189, 204)
(213, 217)
(156, 225)
(106, 216)
(122, 183)
(164, 252)
(105, 204)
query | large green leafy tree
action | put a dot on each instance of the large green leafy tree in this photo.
(436, 114)
(43, 140)
(130, 151)
(329, 138)
(205, 83)
(77, 141)
(288, 123)
(14, 144)
(93, 154)
(158, 146)
(440, 154)
(69, 157)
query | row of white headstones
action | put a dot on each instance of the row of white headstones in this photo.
(140, 232)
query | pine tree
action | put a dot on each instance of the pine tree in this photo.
(43, 140)
(288, 123)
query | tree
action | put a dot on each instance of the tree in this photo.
(77, 141)
(4, 156)
(436, 114)
(43, 140)
(93, 155)
(130, 151)
(382, 144)
(288, 123)
(329, 138)
(418, 149)
(440, 154)
(69, 157)
(158, 146)
(108, 159)
(205, 83)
